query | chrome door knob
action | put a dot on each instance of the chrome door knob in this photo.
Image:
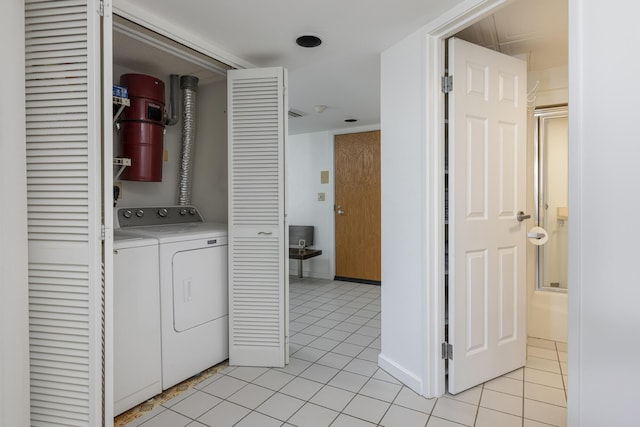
(522, 216)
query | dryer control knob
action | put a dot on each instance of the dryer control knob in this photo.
(127, 214)
(192, 211)
(162, 212)
(183, 211)
(140, 213)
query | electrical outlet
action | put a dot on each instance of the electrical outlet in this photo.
(321, 197)
(119, 185)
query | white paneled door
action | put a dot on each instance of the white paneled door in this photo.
(258, 250)
(487, 173)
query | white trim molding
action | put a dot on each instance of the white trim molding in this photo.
(161, 26)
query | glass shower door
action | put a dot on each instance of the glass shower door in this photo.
(552, 212)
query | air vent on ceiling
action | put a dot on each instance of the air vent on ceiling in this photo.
(293, 114)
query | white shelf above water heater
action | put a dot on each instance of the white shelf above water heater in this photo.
(122, 102)
(123, 162)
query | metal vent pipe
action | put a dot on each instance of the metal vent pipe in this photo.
(174, 83)
(189, 86)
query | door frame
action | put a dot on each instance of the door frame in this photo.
(434, 36)
(434, 39)
(332, 173)
(335, 184)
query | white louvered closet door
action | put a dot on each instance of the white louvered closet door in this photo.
(63, 128)
(258, 259)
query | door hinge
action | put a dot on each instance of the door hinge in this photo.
(101, 8)
(447, 84)
(447, 351)
(102, 232)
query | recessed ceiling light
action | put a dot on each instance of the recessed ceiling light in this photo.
(308, 41)
(351, 120)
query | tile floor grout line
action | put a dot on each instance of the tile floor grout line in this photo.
(312, 363)
(340, 342)
(356, 303)
(343, 321)
(317, 382)
(564, 386)
(475, 420)
(523, 395)
(356, 393)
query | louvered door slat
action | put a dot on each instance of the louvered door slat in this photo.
(63, 207)
(258, 270)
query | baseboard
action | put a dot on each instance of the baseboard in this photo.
(398, 372)
(354, 280)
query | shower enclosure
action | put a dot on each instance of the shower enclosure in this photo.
(551, 196)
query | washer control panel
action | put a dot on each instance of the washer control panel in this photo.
(140, 217)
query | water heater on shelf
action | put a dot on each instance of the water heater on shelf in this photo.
(142, 128)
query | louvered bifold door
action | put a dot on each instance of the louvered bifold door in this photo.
(64, 202)
(258, 270)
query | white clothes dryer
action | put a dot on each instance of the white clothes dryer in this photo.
(193, 287)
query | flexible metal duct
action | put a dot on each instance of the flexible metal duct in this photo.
(189, 86)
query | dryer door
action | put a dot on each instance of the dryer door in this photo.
(200, 292)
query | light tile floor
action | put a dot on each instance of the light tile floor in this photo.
(333, 379)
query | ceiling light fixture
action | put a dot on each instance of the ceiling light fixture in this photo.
(308, 41)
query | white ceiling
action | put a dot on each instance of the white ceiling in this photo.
(534, 29)
(344, 72)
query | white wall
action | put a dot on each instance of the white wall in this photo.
(553, 85)
(209, 191)
(403, 211)
(14, 333)
(307, 155)
(210, 181)
(604, 197)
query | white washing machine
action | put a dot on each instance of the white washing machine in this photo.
(137, 366)
(193, 287)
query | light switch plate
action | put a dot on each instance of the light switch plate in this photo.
(324, 177)
(321, 197)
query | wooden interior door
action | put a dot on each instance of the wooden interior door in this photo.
(357, 209)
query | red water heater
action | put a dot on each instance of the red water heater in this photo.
(142, 128)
